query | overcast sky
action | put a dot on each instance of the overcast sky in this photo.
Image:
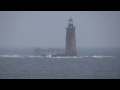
(48, 28)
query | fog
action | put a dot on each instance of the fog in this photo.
(48, 28)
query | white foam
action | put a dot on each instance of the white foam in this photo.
(67, 57)
(12, 56)
(30, 56)
(99, 56)
(49, 56)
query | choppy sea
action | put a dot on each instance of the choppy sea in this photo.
(90, 63)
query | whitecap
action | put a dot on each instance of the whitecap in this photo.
(12, 56)
(101, 56)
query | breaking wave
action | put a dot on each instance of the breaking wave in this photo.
(49, 56)
(12, 56)
(95, 56)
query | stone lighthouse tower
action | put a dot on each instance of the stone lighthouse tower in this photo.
(70, 49)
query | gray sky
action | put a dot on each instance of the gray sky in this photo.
(47, 28)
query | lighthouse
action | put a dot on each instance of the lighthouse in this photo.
(70, 47)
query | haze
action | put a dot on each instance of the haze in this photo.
(48, 28)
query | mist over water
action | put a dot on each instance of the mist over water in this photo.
(48, 29)
(99, 63)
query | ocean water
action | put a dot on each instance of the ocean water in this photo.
(91, 63)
